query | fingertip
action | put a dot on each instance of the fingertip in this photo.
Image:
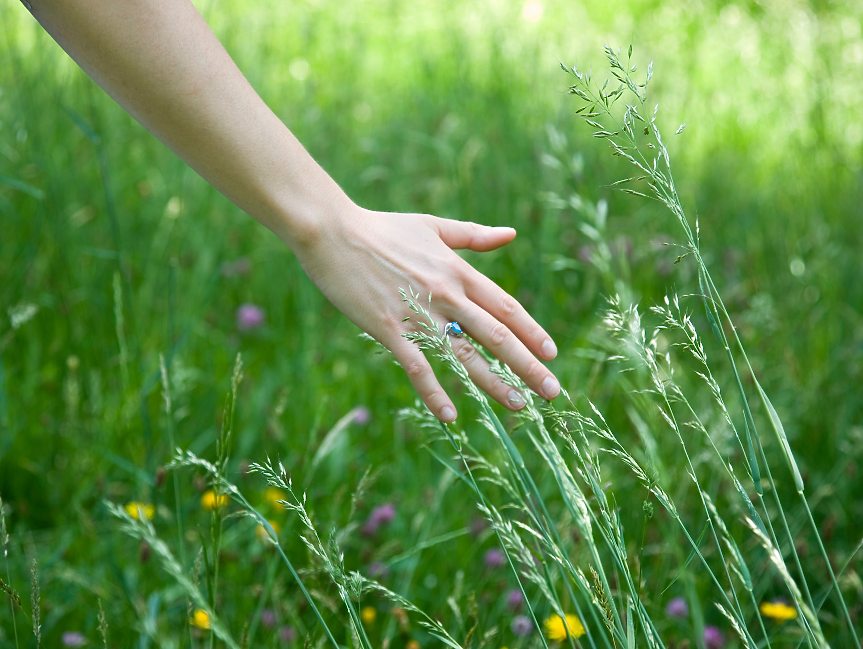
(549, 349)
(495, 237)
(550, 388)
(447, 414)
(515, 400)
(505, 232)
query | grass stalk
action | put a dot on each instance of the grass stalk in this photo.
(178, 510)
(661, 185)
(4, 542)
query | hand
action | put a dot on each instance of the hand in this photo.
(360, 259)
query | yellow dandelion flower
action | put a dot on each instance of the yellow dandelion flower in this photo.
(369, 614)
(413, 644)
(140, 511)
(778, 611)
(200, 619)
(556, 627)
(262, 533)
(273, 495)
(212, 501)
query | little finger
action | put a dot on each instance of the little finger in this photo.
(421, 375)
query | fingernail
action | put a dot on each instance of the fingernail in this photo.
(550, 387)
(447, 414)
(549, 349)
(515, 399)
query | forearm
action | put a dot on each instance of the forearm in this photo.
(159, 60)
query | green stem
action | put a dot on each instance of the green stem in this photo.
(483, 502)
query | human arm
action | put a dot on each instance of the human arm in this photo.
(159, 60)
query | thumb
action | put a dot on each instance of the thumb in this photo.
(460, 235)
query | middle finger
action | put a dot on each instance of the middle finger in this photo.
(506, 347)
(480, 373)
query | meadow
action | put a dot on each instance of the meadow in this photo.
(140, 312)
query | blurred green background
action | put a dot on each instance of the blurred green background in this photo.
(112, 252)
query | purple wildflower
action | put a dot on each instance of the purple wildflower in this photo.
(494, 558)
(249, 317)
(384, 514)
(381, 515)
(361, 415)
(268, 618)
(521, 625)
(287, 633)
(73, 639)
(713, 638)
(678, 608)
(514, 599)
(370, 528)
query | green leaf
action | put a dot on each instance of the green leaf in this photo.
(779, 429)
(691, 556)
(21, 186)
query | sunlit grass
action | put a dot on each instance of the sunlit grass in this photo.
(123, 279)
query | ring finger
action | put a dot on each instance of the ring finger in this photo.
(480, 373)
(506, 347)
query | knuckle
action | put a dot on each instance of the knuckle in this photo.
(475, 233)
(535, 371)
(499, 334)
(440, 290)
(416, 369)
(537, 333)
(391, 321)
(508, 305)
(465, 353)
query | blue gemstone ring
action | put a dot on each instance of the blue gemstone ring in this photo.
(452, 328)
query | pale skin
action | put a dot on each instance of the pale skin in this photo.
(161, 62)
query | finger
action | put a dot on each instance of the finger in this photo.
(421, 375)
(503, 344)
(506, 309)
(480, 373)
(461, 235)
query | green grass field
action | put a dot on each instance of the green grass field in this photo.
(114, 254)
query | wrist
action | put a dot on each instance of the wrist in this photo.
(302, 213)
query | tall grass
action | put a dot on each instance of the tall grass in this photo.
(596, 577)
(111, 256)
